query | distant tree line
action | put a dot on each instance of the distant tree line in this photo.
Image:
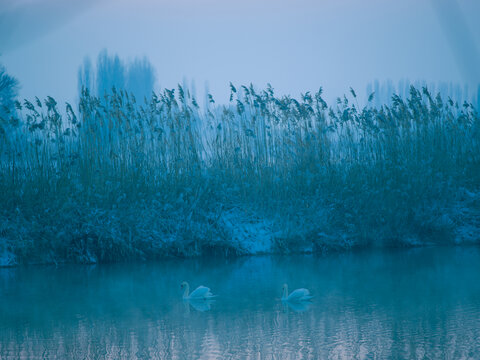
(136, 77)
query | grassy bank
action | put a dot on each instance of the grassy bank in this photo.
(118, 180)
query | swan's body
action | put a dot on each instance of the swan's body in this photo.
(199, 293)
(296, 295)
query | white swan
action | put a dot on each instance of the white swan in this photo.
(296, 295)
(200, 292)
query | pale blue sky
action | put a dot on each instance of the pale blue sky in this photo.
(296, 45)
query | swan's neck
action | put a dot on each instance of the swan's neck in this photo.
(285, 292)
(187, 291)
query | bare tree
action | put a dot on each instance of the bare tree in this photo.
(8, 93)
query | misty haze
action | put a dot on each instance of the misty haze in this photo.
(230, 180)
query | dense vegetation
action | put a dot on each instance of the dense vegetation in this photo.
(119, 180)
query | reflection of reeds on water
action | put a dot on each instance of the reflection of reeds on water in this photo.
(398, 304)
(350, 335)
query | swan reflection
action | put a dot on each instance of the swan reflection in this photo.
(198, 304)
(296, 306)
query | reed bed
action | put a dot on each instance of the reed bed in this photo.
(120, 179)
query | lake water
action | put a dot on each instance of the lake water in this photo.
(405, 304)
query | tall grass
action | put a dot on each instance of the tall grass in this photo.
(120, 180)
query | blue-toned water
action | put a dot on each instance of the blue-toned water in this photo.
(408, 304)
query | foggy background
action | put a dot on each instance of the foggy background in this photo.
(294, 45)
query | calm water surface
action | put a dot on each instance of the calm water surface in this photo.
(405, 304)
